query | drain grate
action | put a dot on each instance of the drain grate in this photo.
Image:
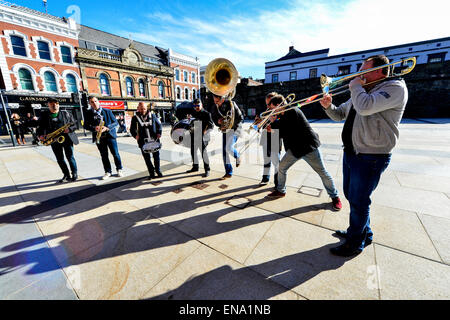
(238, 202)
(199, 185)
(310, 191)
(177, 190)
(223, 186)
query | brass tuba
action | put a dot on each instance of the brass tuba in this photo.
(221, 77)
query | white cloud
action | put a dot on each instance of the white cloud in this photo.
(250, 40)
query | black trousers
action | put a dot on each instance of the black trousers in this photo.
(59, 149)
(147, 157)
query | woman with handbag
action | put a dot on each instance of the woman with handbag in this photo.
(146, 129)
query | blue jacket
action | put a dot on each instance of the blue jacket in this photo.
(92, 120)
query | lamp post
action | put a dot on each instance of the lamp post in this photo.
(8, 123)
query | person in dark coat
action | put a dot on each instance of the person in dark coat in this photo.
(49, 122)
(146, 125)
(300, 142)
(18, 128)
(108, 138)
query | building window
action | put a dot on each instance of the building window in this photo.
(178, 93)
(193, 76)
(410, 49)
(141, 88)
(130, 90)
(50, 82)
(436, 57)
(104, 85)
(186, 77)
(438, 44)
(71, 83)
(44, 50)
(202, 79)
(161, 89)
(186, 94)
(194, 94)
(275, 77)
(313, 73)
(18, 46)
(293, 75)
(25, 79)
(66, 54)
(177, 74)
(343, 70)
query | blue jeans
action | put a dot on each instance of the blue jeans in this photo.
(314, 159)
(361, 173)
(103, 146)
(229, 140)
(59, 149)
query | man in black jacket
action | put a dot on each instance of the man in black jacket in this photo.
(199, 136)
(109, 135)
(219, 111)
(146, 125)
(300, 141)
(49, 122)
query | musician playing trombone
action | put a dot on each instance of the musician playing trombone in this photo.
(372, 116)
(108, 138)
(229, 136)
(49, 122)
(300, 142)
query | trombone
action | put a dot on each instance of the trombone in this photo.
(329, 85)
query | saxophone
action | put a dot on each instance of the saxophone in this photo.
(57, 135)
(99, 132)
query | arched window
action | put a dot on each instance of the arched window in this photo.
(186, 94)
(44, 50)
(130, 89)
(50, 82)
(25, 79)
(71, 83)
(66, 54)
(161, 89)
(141, 88)
(178, 93)
(18, 46)
(194, 94)
(104, 85)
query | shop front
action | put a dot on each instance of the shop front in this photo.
(118, 109)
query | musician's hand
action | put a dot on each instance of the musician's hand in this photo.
(272, 119)
(326, 101)
(356, 81)
(105, 129)
(220, 121)
(97, 128)
(137, 137)
(42, 138)
(158, 136)
(67, 130)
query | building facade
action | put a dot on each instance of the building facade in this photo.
(121, 73)
(186, 76)
(309, 65)
(37, 60)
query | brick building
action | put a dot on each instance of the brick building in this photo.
(121, 73)
(186, 76)
(37, 60)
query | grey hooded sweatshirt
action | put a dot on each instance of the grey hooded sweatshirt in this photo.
(378, 115)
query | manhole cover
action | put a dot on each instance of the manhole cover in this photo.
(199, 186)
(310, 191)
(223, 186)
(238, 202)
(177, 190)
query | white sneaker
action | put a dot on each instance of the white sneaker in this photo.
(120, 173)
(106, 176)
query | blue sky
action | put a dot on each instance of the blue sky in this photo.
(250, 33)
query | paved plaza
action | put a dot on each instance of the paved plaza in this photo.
(187, 237)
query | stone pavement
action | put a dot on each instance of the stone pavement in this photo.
(188, 237)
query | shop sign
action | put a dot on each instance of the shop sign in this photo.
(113, 105)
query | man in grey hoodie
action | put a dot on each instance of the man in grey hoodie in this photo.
(370, 132)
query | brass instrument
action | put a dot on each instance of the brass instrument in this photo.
(57, 135)
(99, 132)
(328, 84)
(221, 79)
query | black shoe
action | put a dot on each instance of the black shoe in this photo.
(192, 170)
(159, 174)
(238, 161)
(206, 174)
(150, 177)
(74, 177)
(345, 250)
(343, 234)
(63, 179)
(264, 181)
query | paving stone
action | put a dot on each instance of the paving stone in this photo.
(438, 230)
(208, 275)
(408, 277)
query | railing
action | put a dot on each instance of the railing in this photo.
(31, 11)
